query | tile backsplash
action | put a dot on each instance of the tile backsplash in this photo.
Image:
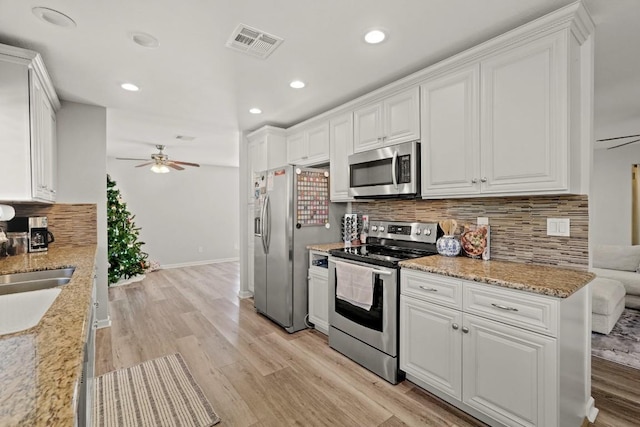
(70, 224)
(518, 224)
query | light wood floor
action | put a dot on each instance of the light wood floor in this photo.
(256, 374)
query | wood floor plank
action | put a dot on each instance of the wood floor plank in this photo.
(256, 374)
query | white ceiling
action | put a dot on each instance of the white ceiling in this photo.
(193, 85)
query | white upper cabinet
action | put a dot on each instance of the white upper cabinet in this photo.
(512, 120)
(525, 129)
(43, 143)
(309, 146)
(27, 127)
(393, 120)
(341, 147)
(266, 149)
(450, 133)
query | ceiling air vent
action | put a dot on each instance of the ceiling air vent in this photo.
(253, 42)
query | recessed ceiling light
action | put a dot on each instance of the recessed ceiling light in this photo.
(130, 87)
(255, 111)
(144, 40)
(53, 17)
(297, 84)
(374, 36)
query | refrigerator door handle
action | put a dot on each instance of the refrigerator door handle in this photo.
(268, 222)
(263, 214)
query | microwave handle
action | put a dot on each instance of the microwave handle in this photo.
(394, 172)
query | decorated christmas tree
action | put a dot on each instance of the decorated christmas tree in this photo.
(126, 258)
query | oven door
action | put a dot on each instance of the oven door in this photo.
(392, 171)
(378, 326)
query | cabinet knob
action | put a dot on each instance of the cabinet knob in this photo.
(474, 181)
(455, 326)
(483, 179)
(465, 329)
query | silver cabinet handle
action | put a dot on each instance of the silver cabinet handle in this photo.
(504, 307)
(455, 326)
(474, 181)
(483, 179)
(428, 289)
(465, 329)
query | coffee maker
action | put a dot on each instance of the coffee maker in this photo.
(37, 231)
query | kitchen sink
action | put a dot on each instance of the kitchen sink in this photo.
(20, 311)
(34, 280)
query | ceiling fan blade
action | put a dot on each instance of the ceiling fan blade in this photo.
(145, 164)
(129, 158)
(617, 137)
(622, 145)
(185, 163)
(174, 166)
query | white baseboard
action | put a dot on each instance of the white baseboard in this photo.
(104, 323)
(245, 294)
(592, 411)
(194, 263)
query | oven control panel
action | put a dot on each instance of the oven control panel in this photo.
(425, 232)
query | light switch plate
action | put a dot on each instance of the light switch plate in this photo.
(559, 227)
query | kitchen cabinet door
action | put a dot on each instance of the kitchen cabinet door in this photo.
(319, 298)
(401, 117)
(367, 127)
(525, 129)
(341, 147)
(431, 344)
(266, 149)
(317, 142)
(296, 149)
(509, 374)
(43, 161)
(309, 146)
(393, 120)
(450, 150)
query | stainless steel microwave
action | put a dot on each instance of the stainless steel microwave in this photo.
(387, 172)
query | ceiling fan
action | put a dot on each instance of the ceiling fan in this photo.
(621, 137)
(161, 162)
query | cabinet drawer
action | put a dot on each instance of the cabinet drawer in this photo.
(431, 287)
(517, 308)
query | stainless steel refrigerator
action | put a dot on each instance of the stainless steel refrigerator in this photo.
(292, 211)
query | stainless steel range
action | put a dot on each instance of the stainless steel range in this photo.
(364, 293)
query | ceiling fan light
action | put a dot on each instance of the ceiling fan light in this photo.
(160, 168)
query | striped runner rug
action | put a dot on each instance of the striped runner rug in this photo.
(159, 392)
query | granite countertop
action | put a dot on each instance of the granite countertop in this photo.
(325, 247)
(39, 367)
(540, 279)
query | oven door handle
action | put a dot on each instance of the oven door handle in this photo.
(373, 270)
(394, 169)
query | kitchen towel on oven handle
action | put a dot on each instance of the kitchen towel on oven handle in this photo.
(354, 284)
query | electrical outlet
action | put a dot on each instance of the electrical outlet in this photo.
(558, 227)
(200, 249)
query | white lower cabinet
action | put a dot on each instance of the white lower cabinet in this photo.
(424, 324)
(509, 373)
(319, 291)
(498, 367)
